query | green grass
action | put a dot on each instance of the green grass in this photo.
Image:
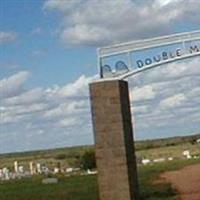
(71, 188)
(85, 187)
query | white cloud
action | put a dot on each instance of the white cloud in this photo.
(173, 101)
(13, 114)
(93, 22)
(67, 122)
(78, 88)
(37, 31)
(139, 109)
(166, 2)
(143, 93)
(12, 85)
(67, 109)
(44, 108)
(7, 37)
(27, 97)
(6, 118)
(39, 53)
(194, 93)
(66, 5)
(2, 108)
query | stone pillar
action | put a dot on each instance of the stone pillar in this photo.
(115, 153)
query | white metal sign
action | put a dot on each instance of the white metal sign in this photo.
(183, 45)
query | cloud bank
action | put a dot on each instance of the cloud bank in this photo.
(94, 22)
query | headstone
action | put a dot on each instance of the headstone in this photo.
(56, 170)
(6, 173)
(157, 160)
(45, 170)
(32, 171)
(170, 158)
(16, 167)
(21, 169)
(186, 153)
(69, 170)
(89, 172)
(145, 161)
(1, 173)
(38, 167)
(50, 181)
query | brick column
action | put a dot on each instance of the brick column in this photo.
(115, 153)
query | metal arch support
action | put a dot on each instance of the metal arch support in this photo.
(131, 47)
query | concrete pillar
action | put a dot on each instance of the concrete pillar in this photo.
(115, 153)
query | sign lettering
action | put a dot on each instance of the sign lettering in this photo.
(167, 55)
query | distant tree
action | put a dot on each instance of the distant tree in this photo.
(61, 156)
(74, 159)
(193, 141)
(88, 160)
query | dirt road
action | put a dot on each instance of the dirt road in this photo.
(186, 181)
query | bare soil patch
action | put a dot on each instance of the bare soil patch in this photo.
(186, 181)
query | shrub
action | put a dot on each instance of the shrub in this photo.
(88, 160)
(60, 156)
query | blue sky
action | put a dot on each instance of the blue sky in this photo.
(37, 49)
(48, 57)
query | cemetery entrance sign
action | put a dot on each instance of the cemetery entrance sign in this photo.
(110, 106)
(158, 51)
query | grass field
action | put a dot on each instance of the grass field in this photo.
(85, 187)
(170, 151)
(151, 149)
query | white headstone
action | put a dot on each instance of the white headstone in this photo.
(170, 158)
(21, 169)
(38, 166)
(91, 172)
(157, 160)
(56, 170)
(50, 181)
(31, 168)
(45, 169)
(145, 161)
(186, 153)
(1, 173)
(6, 173)
(16, 167)
(69, 170)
